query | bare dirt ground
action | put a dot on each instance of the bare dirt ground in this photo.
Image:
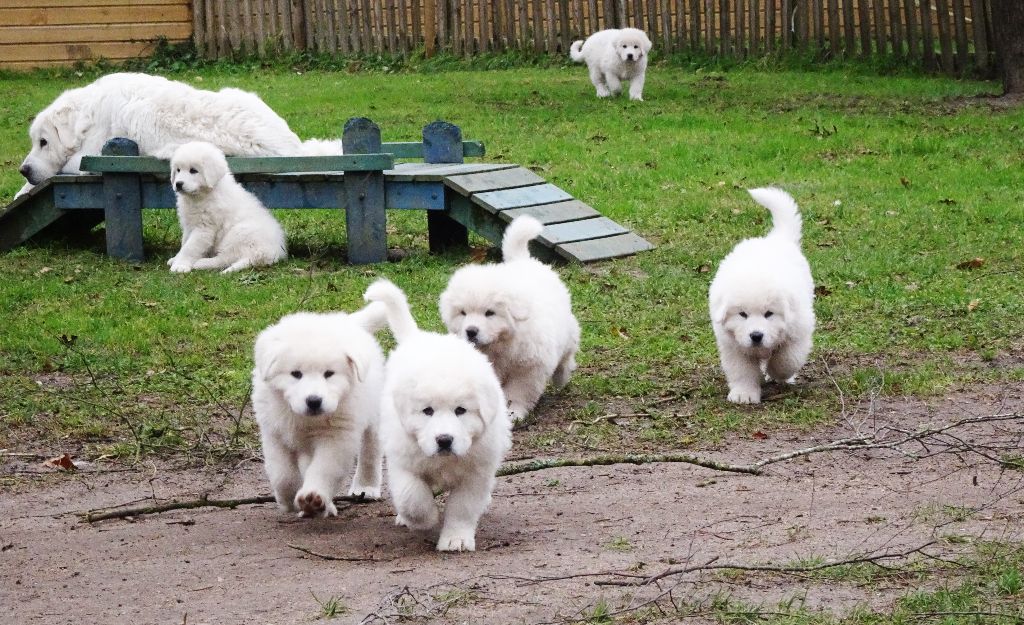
(241, 566)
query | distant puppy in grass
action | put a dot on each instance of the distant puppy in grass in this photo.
(444, 425)
(519, 314)
(223, 226)
(762, 303)
(316, 397)
(613, 56)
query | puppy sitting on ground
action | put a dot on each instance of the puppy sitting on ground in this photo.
(223, 226)
(762, 303)
(519, 314)
(316, 396)
(444, 425)
(613, 56)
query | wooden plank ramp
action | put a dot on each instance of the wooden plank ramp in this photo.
(573, 230)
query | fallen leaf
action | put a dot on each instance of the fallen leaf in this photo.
(904, 182)
(973, 305)
(974, 263)
(61, 462)
(947, 200)
(822, 291)
(622, 333)
(703, 269)
(478, 254)
(44, 270)
(599, 138)
(759, 435)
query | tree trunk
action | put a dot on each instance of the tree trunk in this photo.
(1008, 27)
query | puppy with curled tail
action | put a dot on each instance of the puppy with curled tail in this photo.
(444, 425)
(762, 303)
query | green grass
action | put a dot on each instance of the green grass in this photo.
(900, 178)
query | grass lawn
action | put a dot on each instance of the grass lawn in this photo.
(901, 180)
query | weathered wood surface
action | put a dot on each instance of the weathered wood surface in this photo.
(524, 196)
(363, 191)
(442, 143)
(122, 206)
(493, 180)
(607, 247)
(247, 165)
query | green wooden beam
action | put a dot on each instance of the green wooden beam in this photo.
(414, 149)
(254, 165)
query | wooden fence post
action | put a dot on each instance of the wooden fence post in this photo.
(365, 217)
(122, 205)
(442, 143)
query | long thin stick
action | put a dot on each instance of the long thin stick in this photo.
(203, 502)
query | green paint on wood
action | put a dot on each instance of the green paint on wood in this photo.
(249, 165)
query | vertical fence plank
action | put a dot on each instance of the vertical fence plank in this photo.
(755, 27)
(740, 34)
(895, 28)
(233, 28)
(800, 23)
(879, 28)
(260, 26)
(298, 24)
(864, 13)
(723, 28)
(819, 25)
(620, 14)
(786, 25)
(960, 25)
(927, 39)
(199, 26)
(849, 32)
(980, 34)
(416, 29)
(592, 24)
(695, 33)
(833, 28)
(910, 20)
(945, 35)
(391, 24)
(665, 13)
(564, 32)
(769, 25)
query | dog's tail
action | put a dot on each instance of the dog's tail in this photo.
(515, 245)
(321, 147)
(396, 308)
(371, 317)
(786, 219)
(576, 51)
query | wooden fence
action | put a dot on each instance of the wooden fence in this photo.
(948, 35)
(36, 33)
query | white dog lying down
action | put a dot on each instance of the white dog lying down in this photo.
(519, 314)
(612, 56)
(316, 396)
(762, 303)
(159, 115)
(218, 216)
(444, 425)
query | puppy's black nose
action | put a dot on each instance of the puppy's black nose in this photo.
(314, 402)
(444, 442)
(755, 337)
(471, 332)
(179, 185)
(630, 56)
(26, 171)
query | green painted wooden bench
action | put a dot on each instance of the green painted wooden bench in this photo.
(365, 182)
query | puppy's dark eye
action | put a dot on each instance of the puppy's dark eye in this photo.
(743, 314)
(42, 143)
(178, 170)
(328, 374)
(297, 374)
(462, 312)
(460, 410)
(489, 313)
(768, 314)
(428, 411)
(193, 171)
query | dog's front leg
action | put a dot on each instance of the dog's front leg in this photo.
(636, 87)
(466, 503)
(524, 388)
(742, 373)
(413, 499)
(283, 471)
(321, 478)
(788, 359)
(368, 468)
(198, 243)
(597, 79)
(614, 84)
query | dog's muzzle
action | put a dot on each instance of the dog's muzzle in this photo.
(444, 444)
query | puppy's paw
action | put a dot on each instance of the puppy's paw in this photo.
(745, 396)
(313, 504)
(181, 266)
(636, 98)
(170, 261)
(366, 492)
(517, 414)
(456, 540)
(425, 522)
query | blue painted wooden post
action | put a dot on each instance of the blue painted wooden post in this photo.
(122, 205)
(442, 143)
(366, 218)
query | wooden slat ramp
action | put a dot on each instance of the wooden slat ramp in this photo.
(572, 229)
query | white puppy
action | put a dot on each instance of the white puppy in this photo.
(316, 395)
(612, 56)
(762, 303)
(519, 314)
(218, 217)
(444, 425)
(159, 115)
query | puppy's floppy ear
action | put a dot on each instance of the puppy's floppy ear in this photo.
(491, 399)
(719, 313)
(357, 368)
(213, 167)
(447, 307)
(645, 44)
(515, 309)
(265, 352)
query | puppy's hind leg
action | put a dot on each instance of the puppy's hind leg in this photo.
(368, 468)
(214, 262)
(238, 265)
(413, 500)
(788, 359)
(465, 506)
(563, 372)
(742, 373)
(524, 389)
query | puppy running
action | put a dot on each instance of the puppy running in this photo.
(444, 425)
(613, 56)
(762, 303)
(316, 397)
(223, 226)
(519, 314)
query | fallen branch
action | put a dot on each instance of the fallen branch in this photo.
(608, 459)
(119, 512)
(324, 556)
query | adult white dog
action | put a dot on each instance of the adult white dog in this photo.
(444, 425)
(762, 303)
(160, 115)
(223, 226)
(316, 393)
(519, 314)
(612, 56)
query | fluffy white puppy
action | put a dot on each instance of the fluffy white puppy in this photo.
(316, 396)
(762, 303)
(444, 425)
(223, 226)
(159, 115)
(519, 314)
(612, 56)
